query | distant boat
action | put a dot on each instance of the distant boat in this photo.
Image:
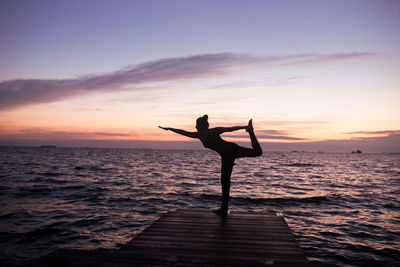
(357, 151)
(46, 146)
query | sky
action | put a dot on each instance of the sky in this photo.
(313, 75)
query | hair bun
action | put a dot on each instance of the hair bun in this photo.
(205, 117)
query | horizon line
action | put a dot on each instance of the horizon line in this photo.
(312, 146)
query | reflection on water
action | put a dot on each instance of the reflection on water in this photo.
(343, 208)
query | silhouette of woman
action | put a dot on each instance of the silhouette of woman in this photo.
(227, 150)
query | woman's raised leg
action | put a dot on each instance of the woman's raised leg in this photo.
(257, 151)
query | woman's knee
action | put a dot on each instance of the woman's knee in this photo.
(256, 153)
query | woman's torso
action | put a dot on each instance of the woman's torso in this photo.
(212, 140)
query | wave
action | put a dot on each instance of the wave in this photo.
(301, 165)
(31, 236)
(277, 200)
(72, 187)
(35, 190)
(285, 200)
(48, 180)
(87, 222)
(94, 168)
(52, 174)
(16, 214)
(122, 200)
(41, 190)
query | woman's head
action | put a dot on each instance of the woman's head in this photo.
(202, 123)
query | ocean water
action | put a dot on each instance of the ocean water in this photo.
(343, 208)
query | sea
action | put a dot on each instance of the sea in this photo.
(344, 208)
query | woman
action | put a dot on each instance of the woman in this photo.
(228, 151)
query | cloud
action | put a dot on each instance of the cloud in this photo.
(259, 83)
(269, 134)
(385, 133)
(286, 123)
(43, 134)
(312, 58)
(14, 93)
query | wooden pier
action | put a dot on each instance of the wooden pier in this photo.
(198, 238)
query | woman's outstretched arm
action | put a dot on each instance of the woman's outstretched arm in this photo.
(181, 132)
(221, 130)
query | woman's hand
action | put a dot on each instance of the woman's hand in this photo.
(181, 132)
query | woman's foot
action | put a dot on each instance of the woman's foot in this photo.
(221, 212)
(249, 127)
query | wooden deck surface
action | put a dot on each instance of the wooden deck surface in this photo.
(199, 238)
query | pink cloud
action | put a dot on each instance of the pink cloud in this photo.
(385, 133)
(269, 134)
(47, 134)
(20, 92)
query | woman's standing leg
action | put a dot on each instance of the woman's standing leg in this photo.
(226, 172)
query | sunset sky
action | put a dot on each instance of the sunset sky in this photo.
(311, 74)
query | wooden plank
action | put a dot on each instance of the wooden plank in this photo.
(200, 233)
(260, 243)
(187, 221)
(283, 239)
(190, 237)
(163, 258)
(249, 231)
(209, 233)
(195, 237)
